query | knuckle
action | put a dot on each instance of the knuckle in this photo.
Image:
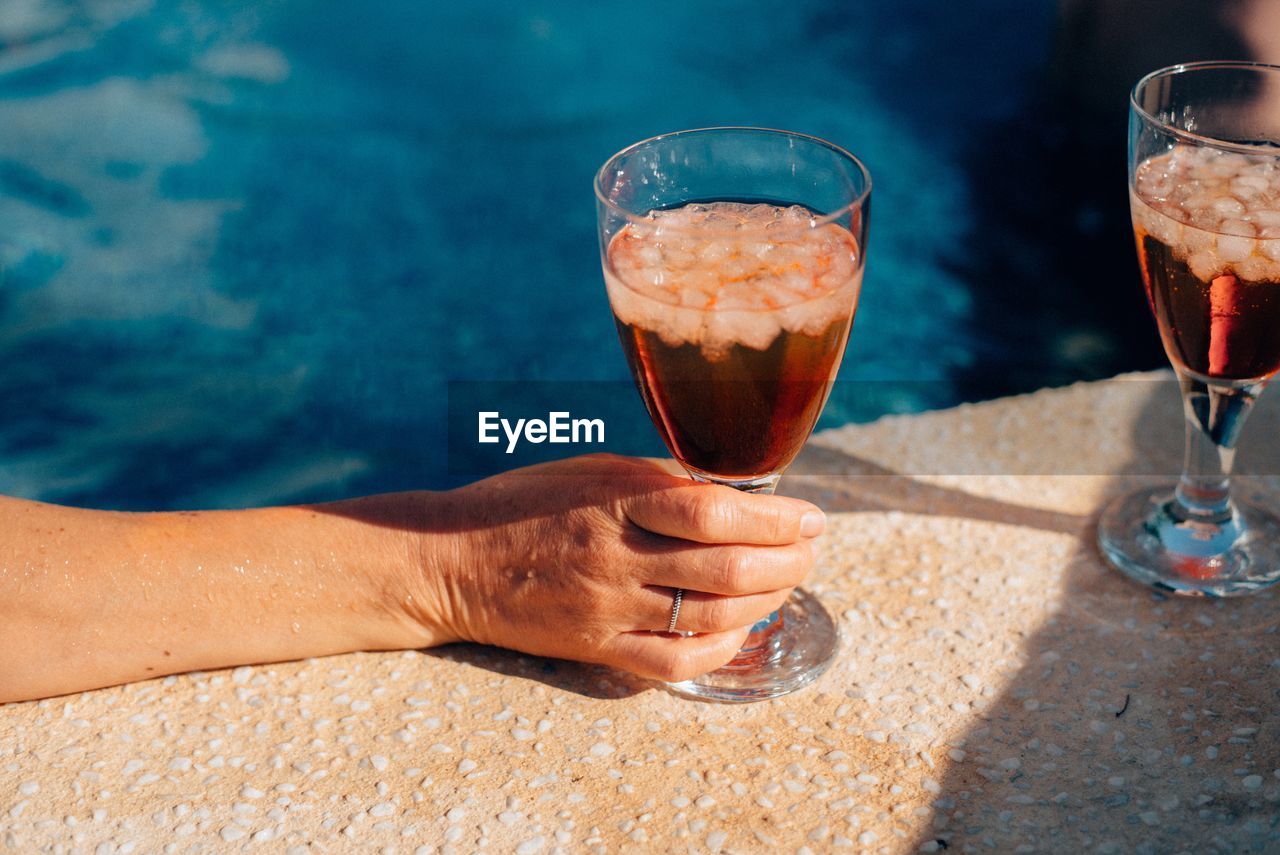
(786, 526)
(802, 559)
(676, 665)
(732, 570)
(708, 513)
(719, 614)
(776, 525)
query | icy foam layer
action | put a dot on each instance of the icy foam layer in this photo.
(1218, 211)
(726, 273)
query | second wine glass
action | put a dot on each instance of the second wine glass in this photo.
(1204, 189)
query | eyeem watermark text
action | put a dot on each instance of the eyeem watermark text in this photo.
(559, 427)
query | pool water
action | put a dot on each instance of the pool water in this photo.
(246, 246)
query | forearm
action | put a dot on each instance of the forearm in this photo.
(94, 598)
(576, 558)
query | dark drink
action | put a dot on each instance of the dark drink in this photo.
(1207, 226)
(733, 318)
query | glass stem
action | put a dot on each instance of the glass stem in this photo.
(760, 642)
(1215, 413)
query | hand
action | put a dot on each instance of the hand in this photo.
(580, 559)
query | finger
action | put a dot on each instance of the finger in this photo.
(700, 612)
(726, 570)
(674, 658)
(711, 513)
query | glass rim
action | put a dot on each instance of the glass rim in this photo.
(1192, 136)
(818, 222)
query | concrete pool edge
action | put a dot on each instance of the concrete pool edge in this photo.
(998, 687)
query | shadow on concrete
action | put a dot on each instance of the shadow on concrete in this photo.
(592, 681)
(850, 484)
(1139, 722)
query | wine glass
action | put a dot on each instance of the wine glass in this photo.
(733, 259)
(1204, 190)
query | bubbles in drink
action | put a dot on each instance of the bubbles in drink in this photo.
(1208, 229)
(1218, 211)
(723, 273)
(733, 318)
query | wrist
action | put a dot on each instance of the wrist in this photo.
(426, 575)
(389, 543)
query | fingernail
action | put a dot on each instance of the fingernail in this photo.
(813, 523)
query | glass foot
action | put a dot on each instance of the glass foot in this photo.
(1143, 539)
(795, 655)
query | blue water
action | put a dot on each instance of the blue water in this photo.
(244, 246)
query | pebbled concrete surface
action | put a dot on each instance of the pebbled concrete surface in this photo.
(998, 688)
